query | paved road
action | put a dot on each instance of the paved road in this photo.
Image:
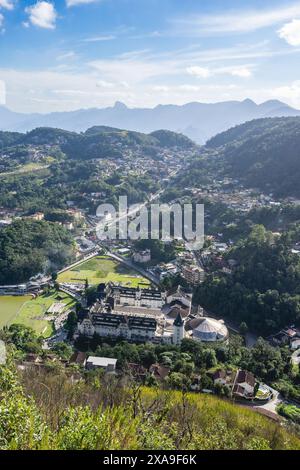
(250, 339)
(296, 357)
(72, 292)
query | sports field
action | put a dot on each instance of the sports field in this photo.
(31, 312)
(103, 269)
(9, 308)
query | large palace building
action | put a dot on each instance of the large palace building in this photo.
(148, 315)
(129, 296)
(113, 325)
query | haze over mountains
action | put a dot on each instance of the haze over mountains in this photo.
(199, 121)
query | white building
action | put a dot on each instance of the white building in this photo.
(113, 325)
(106, 363)
(244, 384)
(178, 294)
(178, 330)
(142, 256)
(206, 329)
(129, 296)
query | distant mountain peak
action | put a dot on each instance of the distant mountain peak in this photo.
(249, 101)
(120, 105)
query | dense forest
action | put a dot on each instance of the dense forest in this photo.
(263, 290)
(29, 247)
(96, 142)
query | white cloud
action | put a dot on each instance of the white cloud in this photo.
(188, 87)
(2, 92)
(290, 92)
(161, 88)
(291, 32)
(235, 71)
(7, 4)
(104, 84)
(242, 72)
(237, 21)
(42, 14)
(73, 3)
(109, 37)
(146, 78)
(46, 91)
(67, 55)
(201, 72)
(132, 70)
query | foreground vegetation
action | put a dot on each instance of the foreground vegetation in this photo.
(44, 409)
(289, 411)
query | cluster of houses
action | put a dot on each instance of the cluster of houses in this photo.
(72, 216)
(289, 336)
(241, 384)
(34, 286)
(184, 264)
(142, 256)
(231, 193)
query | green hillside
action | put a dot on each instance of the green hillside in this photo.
(29, 247)
(44, 409)
(264, 153)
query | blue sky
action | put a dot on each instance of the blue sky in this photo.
(69, 54)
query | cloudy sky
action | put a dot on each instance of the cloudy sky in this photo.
(69, 54)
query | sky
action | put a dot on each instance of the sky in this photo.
(62, 55)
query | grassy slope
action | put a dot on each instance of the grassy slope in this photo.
(148, 419)
(211, 414)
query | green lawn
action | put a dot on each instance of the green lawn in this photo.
(9, 308)
(31, 312)
(103, 269)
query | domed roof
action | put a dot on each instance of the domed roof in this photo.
(209, 329)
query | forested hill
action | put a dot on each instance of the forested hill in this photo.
(264, 153)
(29, 247)
(96, 142)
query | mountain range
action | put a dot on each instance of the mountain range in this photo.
(198, 121)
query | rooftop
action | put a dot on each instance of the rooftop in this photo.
(101, 361)
(208, 329)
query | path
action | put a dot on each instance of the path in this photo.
(296, 357)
